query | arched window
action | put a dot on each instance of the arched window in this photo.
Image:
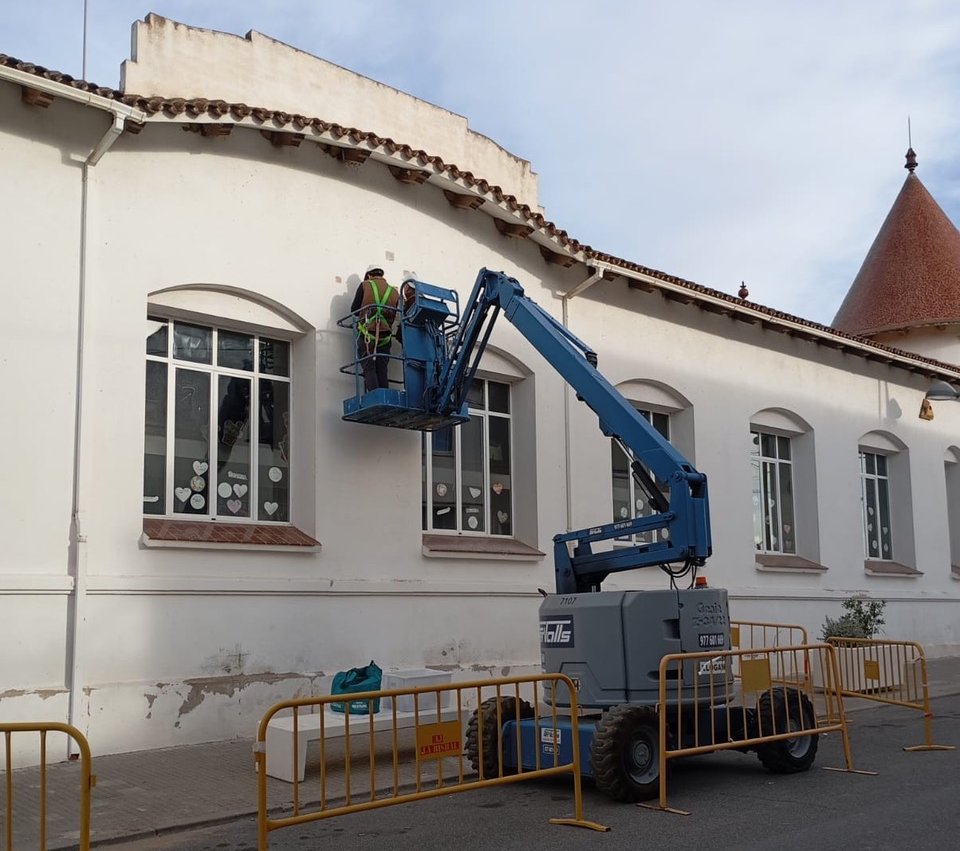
(886, 504)
(784, 497)
(219, 395)
(672, 416)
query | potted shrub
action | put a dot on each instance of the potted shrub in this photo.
(862, 667)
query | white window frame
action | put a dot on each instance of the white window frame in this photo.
(258, 516)
(654, 535)
(876, 482)
(772, 535)
(484, 415)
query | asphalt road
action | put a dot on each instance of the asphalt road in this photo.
(733, 802)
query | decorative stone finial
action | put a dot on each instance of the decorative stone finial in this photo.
(911, 160)
(743, 292)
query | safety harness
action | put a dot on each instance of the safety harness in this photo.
(375, 316)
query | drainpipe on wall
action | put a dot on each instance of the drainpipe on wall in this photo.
(595, 275)
(77, 551)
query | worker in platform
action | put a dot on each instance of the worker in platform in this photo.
(377, 303)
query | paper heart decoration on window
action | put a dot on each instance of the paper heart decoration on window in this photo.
(502, 516)
(270, 507)
(234, 505)
(200, 467)
(240, 490)
(183, 494)
(474, 492)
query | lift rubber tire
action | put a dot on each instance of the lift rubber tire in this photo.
(487, 728)
(625, 753)
(786, 709)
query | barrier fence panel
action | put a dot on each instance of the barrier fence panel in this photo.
(747, 635)
(702, 708)
(20, 832)
(892, 672)
(429, 741)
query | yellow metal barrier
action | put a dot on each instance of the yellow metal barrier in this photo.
(87, 781)
(781, 724)
(893, 672)
(747, 635)
(425, 760)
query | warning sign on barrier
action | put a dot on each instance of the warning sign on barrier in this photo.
(436, 741)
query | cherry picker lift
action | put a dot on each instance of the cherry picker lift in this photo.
(609, 643)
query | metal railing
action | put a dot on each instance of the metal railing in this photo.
(758, 710)
(891, 672)
(429, 758)
(748, 635)
(87, 782)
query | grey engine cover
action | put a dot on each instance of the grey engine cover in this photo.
(610, 642)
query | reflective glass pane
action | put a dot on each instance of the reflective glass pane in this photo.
(883, 510)
(155, 440)
(870, 518)
(471, 469)
(499, 394)
(424, 491)
(274, 357)
(620, 466)
(768, 445)
(783, 446)
(881, 464)
(770, 524)
(757, 505)
(191, 470)
(475, 394)
(192, 342)
(157, 337)
(661, 422)
(501, 495)
(787, 531)
(233, 447)
(235, 351)
(273, 451)
(870, 463)
(444, 484)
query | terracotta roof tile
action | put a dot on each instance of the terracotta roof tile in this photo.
(911, 275)
(217, 109)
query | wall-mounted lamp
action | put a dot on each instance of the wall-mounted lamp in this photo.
(940, 391)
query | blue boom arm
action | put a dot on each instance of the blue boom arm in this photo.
(681, 521)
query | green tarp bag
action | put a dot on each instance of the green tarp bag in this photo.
(356, 680)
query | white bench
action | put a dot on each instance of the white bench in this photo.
(279, 744)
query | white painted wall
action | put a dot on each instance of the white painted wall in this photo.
(187, 645)
(175, 60)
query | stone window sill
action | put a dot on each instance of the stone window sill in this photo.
(470, 546)
(776, 563)
(161, 532)
(874, 567)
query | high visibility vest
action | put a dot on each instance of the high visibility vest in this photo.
(372, 325)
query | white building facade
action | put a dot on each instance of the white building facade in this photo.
(172, 568)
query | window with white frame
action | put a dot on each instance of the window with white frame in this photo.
(771, 461)
(467, 469)
(875, 504)
(629, 499)
(217, 428)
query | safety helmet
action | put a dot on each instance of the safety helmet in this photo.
(375, 269)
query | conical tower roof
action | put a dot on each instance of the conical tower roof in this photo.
(911, 275)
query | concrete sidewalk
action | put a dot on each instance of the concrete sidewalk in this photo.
(145, 793)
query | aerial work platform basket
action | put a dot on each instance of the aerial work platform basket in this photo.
(429, 318)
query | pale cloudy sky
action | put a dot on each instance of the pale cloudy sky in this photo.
(756, 140)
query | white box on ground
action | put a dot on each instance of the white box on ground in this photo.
(414, 678)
